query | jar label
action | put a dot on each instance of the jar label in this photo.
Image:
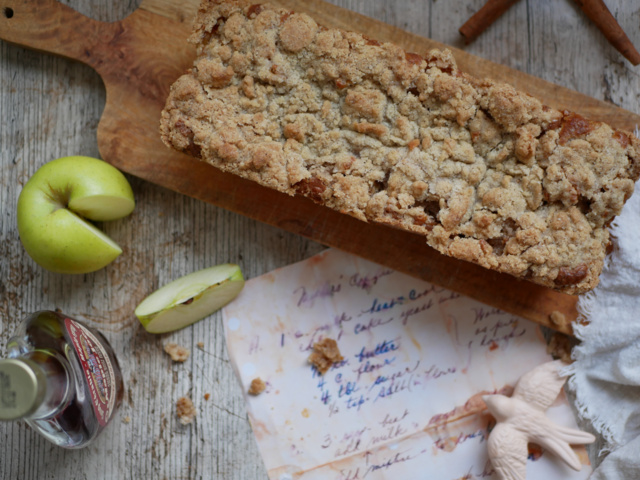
(97, 369)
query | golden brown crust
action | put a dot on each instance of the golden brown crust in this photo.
(178, 353)
(257, 386)
(325, 354)
(185, 410)
(486, 173)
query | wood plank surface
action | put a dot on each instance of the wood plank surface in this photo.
(51, 107)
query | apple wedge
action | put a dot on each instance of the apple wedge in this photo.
(54, 208)
(190, 298)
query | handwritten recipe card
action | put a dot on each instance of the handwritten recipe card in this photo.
(405, 403)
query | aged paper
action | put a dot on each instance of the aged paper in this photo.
(405, 403)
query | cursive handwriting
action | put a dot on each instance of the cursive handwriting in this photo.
(482, 313)
(378, 305)
(371, 324)
(500, 332)
(389, 420)
(381, 348)
(369, 367)
(397, 458)
(434, 372)
(410, 312)
(307, 299)
(449, 444)
(366, 281)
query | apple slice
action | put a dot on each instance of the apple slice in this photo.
(54, 206)
(190, 298)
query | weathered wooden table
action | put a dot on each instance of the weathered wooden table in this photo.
(50, 107)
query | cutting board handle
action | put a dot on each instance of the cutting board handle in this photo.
(49, 26)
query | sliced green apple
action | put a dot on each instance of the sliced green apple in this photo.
(190, 298)
(54, 206)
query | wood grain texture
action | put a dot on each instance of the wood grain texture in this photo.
(51, 107)
(600, 15)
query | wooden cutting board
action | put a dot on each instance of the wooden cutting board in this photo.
(138, 59)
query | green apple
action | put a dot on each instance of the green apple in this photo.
(190, 298)
(54, 208)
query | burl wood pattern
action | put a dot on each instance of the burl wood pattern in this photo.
(139, 57)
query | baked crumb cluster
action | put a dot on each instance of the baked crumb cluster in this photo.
(185, 410)
(178, 353)
(325, 353)
(257, 386)
(486, 173)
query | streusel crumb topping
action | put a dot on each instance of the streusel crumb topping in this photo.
(486, 173)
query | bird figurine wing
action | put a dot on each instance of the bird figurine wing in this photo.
(558, 440)
(508, 452)
(541, 386)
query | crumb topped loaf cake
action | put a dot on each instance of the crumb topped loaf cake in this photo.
(485, 173)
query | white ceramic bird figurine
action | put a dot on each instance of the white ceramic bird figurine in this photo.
(521, 419)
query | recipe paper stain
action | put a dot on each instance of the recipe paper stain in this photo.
(406, 400)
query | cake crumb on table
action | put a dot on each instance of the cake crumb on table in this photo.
(207, 396)
(177, 352)
(558, 318)
(200, 345)
(325, 353)
(185, 410)
(126, 419)
(257, 386)
(560, 346)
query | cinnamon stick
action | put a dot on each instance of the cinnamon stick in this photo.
(483, 18)
(599, 14)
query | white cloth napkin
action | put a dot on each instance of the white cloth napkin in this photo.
(605, 376)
